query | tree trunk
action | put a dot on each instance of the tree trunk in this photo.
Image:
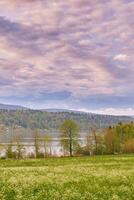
(71, 145)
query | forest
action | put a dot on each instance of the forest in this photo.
(52, 120)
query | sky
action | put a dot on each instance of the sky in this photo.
(74, 54)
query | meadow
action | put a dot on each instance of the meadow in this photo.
(76, 178)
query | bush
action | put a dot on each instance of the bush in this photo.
(129, 146)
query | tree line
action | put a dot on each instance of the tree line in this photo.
(112, 140)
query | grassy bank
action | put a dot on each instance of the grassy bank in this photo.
(82, 178)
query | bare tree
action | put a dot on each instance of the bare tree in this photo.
(89, 143)
(47, 140)
(36, 136)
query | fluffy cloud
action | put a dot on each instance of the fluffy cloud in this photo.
(82, 47)
(121, 57)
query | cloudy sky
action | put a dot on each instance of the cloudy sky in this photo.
(73, 54)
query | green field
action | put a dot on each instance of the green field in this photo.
(84, 178)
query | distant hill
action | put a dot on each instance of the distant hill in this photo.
(50, 121)
(21, 120)
(60, 110)
(11, 107)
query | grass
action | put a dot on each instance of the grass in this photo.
(82, 178)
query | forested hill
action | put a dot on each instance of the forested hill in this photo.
(52, 120)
